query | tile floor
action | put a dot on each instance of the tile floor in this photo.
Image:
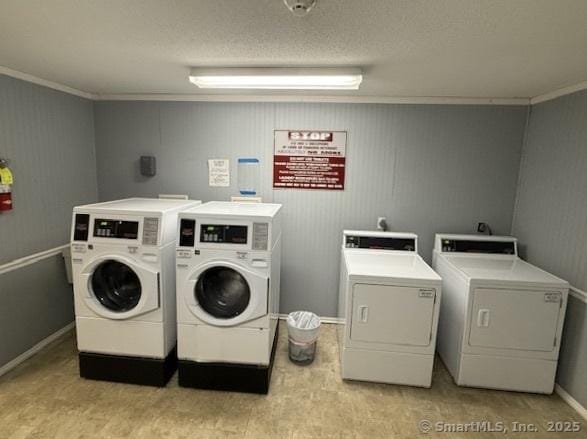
(45, 398)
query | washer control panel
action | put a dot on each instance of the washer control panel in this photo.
(110, 228)
(223, 234)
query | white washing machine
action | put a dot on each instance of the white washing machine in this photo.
(501, 318)
(389, 301)
(228, 274)
(123, 259)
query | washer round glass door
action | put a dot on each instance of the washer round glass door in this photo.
(222, 292)
(116, 286)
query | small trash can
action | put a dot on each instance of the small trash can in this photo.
(302, 329)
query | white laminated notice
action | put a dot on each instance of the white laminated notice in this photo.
(150, 231)
(260, 236)
(218, 173)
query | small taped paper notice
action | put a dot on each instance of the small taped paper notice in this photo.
(218, 173)
(6, 176)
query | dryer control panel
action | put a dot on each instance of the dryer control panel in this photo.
(478, 246)
(380, 243)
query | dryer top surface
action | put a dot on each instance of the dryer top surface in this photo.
(487, 268)
(388, 266)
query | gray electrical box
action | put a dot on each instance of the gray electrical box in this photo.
(148, 165)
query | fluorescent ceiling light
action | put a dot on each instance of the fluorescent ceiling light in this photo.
(278, 78)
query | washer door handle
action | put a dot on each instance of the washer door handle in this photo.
(363, 313)
(158, 290)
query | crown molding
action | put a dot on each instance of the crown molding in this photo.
(450, 100)
(558, 93)
(417, 100)
(49, 84)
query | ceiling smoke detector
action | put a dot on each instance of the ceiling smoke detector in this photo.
(299, 7)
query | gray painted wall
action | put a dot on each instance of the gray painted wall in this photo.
(36, 302)
(571, 374)
(429, 168)
(551, 216)
(48, 136)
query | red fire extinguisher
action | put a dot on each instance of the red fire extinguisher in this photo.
(6, 181)
(5, 197)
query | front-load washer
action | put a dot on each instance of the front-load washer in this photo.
(123, 259)
(389, 302)
(501, 318)
(228, 274)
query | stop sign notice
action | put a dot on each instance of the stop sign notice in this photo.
(306, 159)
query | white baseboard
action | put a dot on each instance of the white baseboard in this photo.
(36, 348)
(571, 401)
(578, 294)
(333, 320)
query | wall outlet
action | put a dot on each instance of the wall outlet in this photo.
(484, 228)
(382, 223)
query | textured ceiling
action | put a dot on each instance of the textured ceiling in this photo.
(464, 48)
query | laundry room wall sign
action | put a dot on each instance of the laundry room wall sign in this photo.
(218, 173)
(309, 159)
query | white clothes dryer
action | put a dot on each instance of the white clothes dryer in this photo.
(228, 275)
(124, 286)
(389, 301)
(501, 318)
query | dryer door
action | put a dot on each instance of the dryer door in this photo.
(118, 288)
(226, 294)
(392, 314)
(515, 319)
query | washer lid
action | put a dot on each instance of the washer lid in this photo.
(389, 266)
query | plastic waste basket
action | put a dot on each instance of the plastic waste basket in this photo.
(302, 329)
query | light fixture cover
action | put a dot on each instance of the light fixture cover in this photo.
(330, 78)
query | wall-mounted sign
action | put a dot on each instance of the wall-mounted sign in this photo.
(218, 173)
(309, 159)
